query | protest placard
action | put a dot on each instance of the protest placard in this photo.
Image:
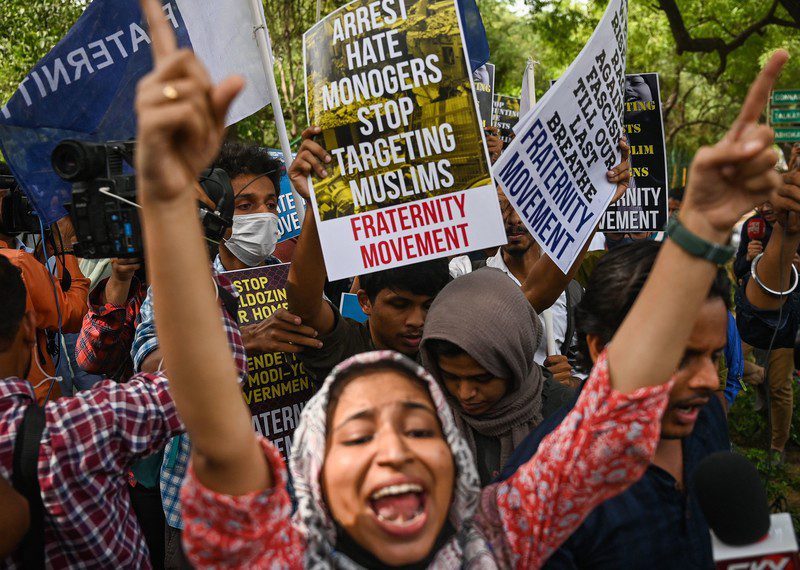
(288, 221)
(554, 172)
(505, 116)
(389, 83)
(644, 207)
(350, 307)
(277, 386)
(483, 79)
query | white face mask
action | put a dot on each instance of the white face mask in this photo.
(253, 238)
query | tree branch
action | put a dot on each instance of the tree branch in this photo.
(688, 124)
(685, 42)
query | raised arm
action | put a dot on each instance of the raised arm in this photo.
(306, 281)
(726, 181)
(774, 268)
(546, 281)
(181, 118)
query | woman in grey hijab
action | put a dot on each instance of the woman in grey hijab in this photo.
(479, 341)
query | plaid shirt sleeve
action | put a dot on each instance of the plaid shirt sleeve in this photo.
(145, 340)
(104, 343)
(108, 427)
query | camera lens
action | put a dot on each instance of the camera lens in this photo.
(76, 160)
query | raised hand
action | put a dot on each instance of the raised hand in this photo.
(729, 179)
(181, 113)
(281, 332)
(621, 173)
(181, 121)
(787, 200)
(311, 158)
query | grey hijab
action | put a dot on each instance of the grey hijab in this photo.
(486, 314)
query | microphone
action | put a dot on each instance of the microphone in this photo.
(756, 229)
(744, 535)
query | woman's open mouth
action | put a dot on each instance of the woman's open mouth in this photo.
(400, 510)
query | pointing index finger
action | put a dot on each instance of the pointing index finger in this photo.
(759, 92)
(162, 38)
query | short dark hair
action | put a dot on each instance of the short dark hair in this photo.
(426, 278)
(613, 288)
(12, 302)
(237, 158)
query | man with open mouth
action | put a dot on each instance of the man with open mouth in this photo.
(657, 519)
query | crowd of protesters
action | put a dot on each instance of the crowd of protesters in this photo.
(442, 432)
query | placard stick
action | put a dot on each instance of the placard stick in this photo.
(262, 36)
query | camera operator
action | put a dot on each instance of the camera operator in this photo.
(57, 302)
(104, 343)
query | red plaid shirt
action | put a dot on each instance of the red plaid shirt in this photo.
(89, 441)
(88, 445)
(104, 343)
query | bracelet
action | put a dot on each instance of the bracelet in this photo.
(754, 275)
(696, 246)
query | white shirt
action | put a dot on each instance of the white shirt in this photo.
(462, 265)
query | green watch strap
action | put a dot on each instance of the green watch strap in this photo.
(697, 246)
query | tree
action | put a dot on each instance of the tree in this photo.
(30, 28)
(706, 54)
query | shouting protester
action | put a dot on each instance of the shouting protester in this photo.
(380, 471)
(623, 531)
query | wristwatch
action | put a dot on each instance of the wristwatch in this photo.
(696, 246)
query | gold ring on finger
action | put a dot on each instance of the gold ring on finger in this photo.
(170, 92)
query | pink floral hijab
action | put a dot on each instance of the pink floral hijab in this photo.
(465, 549)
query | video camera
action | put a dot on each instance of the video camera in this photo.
(104, 209)
(17, 216)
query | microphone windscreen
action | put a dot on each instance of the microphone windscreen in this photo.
(756, 229)
(732, 497)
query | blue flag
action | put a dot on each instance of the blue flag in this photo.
(85, 87)
(474, 33)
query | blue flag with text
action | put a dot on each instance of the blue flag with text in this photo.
(84, 88)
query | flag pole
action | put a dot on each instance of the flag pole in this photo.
(265, 47)
(547, 314)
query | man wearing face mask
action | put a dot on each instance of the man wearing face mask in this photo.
(250, 242)
(255, 178)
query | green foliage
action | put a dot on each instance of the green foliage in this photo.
(29, 29)
(699, 102)
(750, 435)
